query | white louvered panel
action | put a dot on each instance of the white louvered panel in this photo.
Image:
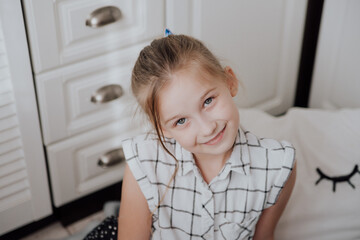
(3, 60)
(11, 156)
(8, 123)
(6, 98)
(5, 85)
(15, 199)
(24, 193)
(11, 168)
(10, 145)
(14, 188)
(9, 134)
(4, 72)
(14, 184)
(13, 178)
(2, 47)
(7, 111)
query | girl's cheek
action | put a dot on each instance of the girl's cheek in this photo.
(190, 134)
(223, 107)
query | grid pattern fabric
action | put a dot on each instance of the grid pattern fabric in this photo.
(226, 208)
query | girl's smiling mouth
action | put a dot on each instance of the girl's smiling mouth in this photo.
(217, 138)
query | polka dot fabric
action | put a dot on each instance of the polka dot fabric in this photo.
(106, 230)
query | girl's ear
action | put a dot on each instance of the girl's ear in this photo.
(232, 81)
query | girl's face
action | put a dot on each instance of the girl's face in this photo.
(197, 110)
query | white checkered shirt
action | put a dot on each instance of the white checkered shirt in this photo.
(226, 208)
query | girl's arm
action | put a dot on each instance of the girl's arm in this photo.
(134, 215)
(265, 227)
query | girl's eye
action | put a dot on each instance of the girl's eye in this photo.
(181, 121)
(208, 101)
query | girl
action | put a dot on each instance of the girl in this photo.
(198, 175)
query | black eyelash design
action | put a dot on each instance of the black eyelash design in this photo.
(335, 180)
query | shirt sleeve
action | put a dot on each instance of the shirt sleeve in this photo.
(132, 158)
(283, 174)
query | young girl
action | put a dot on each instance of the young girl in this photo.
(198, 175)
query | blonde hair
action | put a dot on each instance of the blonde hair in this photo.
(155, 66)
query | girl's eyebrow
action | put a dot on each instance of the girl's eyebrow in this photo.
(176, 116)
(207, 92)
(201, 98)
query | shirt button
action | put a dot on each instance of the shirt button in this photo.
(208, 194)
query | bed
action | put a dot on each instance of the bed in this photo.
(325, 203)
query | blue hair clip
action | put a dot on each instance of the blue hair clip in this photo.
(167, 32)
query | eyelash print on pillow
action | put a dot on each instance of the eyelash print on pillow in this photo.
(337, 179)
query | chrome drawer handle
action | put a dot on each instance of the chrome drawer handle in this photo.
(111, 158)
(107, 93)
(103, 16)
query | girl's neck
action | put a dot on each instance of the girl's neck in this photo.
(210, 166)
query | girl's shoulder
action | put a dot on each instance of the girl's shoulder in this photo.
(150, 164)
(269, 151)
(271, 161)
(147, 146)
(266, 143)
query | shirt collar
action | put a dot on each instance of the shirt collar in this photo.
(239, 160)
(185, 159)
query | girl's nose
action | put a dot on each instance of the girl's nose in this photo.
(207, 127)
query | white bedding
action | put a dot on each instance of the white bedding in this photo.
(330, 141)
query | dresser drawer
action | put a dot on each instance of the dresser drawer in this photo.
(75, 166)
(85, 95)
(65, 31)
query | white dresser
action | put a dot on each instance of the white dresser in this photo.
(80, 48)
(83, 52)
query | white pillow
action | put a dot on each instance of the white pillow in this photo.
(330, 141)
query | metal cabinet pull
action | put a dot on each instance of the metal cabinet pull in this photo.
(103, 16)
(107, 93)
(111, 158)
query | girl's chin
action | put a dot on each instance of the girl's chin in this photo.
(216, 151)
